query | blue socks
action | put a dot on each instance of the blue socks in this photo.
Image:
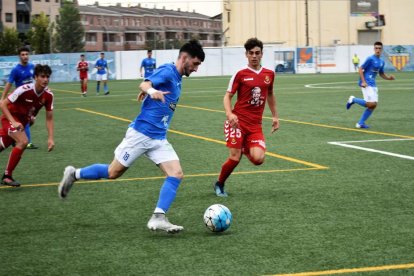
(98, 87)
(359, 101)
(95, 171)
(105, 87)
(27, 130)
(168, 192)
(365, 116)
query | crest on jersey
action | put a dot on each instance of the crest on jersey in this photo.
(267, 80)
(399, 57)
(257, 98)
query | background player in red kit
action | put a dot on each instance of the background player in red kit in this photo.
(19, 108)
(243, 127)
(83, 68)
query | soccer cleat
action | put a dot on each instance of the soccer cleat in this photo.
(97, 93)
(159, 221)
(83, 94)
(106, 93)
(31, 146)
(350, 102)
(67, 181)
(219, 190)
(361, 125)
(9, 181)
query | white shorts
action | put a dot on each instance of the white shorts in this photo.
(136, 144)
(102, 77)
(370, 94)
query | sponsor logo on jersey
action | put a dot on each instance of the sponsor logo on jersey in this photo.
(28, 100)
(267, 80)
(248, 79)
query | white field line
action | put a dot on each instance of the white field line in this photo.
(345, 144)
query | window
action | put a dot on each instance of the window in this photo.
(91, 37)
(9, 17)
(228, 17)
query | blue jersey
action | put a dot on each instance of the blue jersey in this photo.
(149, 65)
(372, 66)
(155, 117)
(103, 64)
(21, 74)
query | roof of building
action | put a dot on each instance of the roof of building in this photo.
(140, 11)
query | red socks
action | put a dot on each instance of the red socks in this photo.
(226, 169)
(14, 158)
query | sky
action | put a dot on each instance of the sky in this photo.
(207, 7)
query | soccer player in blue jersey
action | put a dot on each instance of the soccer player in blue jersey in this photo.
(147, 135)
(368, 73)
(149, 64)
(102, 74)
(21, 74)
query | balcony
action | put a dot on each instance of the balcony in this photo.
(23, 27)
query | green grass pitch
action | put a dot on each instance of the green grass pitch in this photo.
(312, 206)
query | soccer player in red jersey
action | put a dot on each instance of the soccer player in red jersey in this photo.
(243, 127)
(19, 109)
(83, 68)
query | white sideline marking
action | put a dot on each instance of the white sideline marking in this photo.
(345, 144)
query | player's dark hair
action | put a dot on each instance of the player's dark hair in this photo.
(253, 42)
(194, 49)
(378, 43)
(149, 51)
(23, 49)
(82, 55)
(42, 69)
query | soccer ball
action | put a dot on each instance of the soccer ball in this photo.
(217, 218)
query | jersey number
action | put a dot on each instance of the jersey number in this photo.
(235, 133)
(126, 156)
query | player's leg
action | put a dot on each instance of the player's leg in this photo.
(124, 156)
(98, 83)
(16, 153)
(255, 148)
(234, 141)
(85, 86)
(105, 80)
(370, 99)
(166, 158)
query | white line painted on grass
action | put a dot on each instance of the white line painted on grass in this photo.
(346, 145)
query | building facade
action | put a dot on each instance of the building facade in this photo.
(19, 13)
(117, 28)
(298, 23)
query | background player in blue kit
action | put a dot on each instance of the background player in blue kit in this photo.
(149, 64)
(21, 74)
(102, 74)
(146, 135)
(368, 73)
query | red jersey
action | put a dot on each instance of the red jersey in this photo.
(26, 102)
(252, 88)
(83, 69)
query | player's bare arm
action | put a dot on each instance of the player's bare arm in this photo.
(146, 87)
(361, 75)
(271, 101)
(231, 117)
(387, 77)
(50, 130)
(17, 125)
(6, 90)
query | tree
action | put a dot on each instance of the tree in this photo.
(9, 42)
(39, 35)
(69, 30)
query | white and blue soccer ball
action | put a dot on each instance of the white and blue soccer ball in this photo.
(217, 218)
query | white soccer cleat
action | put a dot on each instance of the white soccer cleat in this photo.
(160, 222)
(67, 181)
(350, 102)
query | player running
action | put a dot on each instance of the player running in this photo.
(21, 74)
(19, 108)
(147, 135)
(368, 73)
(243, 127)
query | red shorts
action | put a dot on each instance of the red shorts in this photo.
(244, 137)
(83, 76)
(6, 128)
